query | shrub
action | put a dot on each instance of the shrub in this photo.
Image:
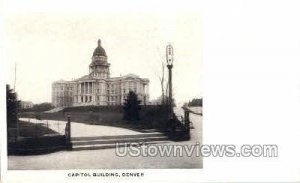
(131, 107)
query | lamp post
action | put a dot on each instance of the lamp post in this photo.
(170, 58)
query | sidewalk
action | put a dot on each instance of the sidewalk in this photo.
(85, 130)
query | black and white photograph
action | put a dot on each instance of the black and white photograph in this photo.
(99, 91)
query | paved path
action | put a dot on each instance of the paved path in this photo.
(98, 159)
(84, 130)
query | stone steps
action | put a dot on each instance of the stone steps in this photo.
(117, 137)
(105, 142)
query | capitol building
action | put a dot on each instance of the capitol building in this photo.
(98, 88)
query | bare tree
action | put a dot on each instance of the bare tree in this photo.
(162, 78)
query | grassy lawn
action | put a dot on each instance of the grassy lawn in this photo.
(27, 129)
(33, 139)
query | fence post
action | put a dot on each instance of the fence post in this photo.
(68, 132)
(187, 122)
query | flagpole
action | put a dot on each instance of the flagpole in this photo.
(15, 77)
(17, 122)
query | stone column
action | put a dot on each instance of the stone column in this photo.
(83, 87)
(78, 92)
(79, 88)
(81, 92)
(93, 90)
(91, 87)
(84, 92)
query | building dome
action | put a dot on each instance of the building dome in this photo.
(99, 51)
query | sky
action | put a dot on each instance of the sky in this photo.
(51, 45)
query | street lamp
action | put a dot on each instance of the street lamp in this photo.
(170, 58)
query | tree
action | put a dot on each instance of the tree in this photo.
(173, 101)
(12, 105)
(162, 78)
(162, 81)
(196, 102)
(131, 107)
(42, 107)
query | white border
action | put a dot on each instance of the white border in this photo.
(251, 60)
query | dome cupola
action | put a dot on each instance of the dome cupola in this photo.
(99, 68)
(99, 51)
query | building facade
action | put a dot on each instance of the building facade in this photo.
(62, 93)
(26, 104)
(98, 88)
